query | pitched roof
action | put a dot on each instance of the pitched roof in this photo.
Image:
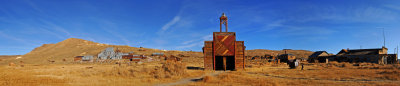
(360, 52)
(317, 53)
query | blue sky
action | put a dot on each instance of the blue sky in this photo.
(185, 24)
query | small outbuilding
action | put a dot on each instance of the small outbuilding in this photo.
(157, 54)
(78, 58)
(83, 58)
(286, 57)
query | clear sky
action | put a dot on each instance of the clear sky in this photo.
(314, 25)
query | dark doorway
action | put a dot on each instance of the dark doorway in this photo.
(230, 63)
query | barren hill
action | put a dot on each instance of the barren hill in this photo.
(72, 47)
(261, 52)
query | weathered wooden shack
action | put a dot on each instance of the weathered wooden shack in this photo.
(134, 57)
(83, 58)
(286, 57)
(78, 58)
(319, 56)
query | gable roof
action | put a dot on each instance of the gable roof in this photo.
(360, 51)
(317, 53)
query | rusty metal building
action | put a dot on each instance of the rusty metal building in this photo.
(224, 52)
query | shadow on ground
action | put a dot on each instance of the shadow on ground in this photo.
(194, 68)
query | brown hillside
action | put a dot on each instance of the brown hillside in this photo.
(72, 47)
(261, 52)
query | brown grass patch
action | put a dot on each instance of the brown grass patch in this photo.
(15, 77)
(169, 69)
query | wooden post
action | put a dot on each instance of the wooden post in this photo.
(327, 60)
(224, 58)
(220, 25)
(279, 61)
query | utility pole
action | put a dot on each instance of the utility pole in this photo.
(384, 38)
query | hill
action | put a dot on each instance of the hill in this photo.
(261, 52)
(72, 47)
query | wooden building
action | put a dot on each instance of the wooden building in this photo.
(224, 52)
(319, 56)
(134, 57)
(87, 58)
(78, 58)
(378, 55)
(286, 57)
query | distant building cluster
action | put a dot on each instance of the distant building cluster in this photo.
(113, 54)
(109, 53)
(378, 55)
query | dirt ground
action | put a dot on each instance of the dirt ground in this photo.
(189, 72)
(314, 74)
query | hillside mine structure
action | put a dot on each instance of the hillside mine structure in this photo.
(224, 52)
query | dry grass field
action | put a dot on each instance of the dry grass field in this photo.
(95, 74)
(313, 74)
(165, 72)
(36, 69)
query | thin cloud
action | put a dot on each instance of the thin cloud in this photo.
(367, 14)
(112, 25)
(45, 31)
(207, 37)
(187, 42)
(170, 23)
(299, 31)
(56, 27)
(395, 7)
(272, 25)
(189, 46)
(195, 43)
(34, 6)
(3, 35)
